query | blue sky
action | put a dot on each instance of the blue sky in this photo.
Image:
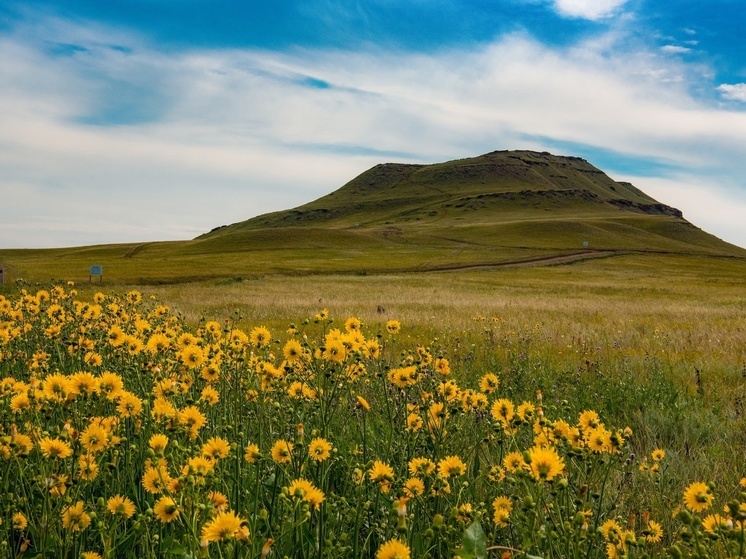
(161, 119)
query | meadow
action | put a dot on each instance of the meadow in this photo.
(585, 410)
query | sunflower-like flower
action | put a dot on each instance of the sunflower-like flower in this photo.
(120, 506)
(260, 336)
(319, 449)
(698, 497)
(215, 448)
(393, 549)
(75, 517)
(54, 448)
(545, 464)
(654, 532)
(282, 451)
(502, 506)
(165, 510)
(94, 438)
(382, 474)
(489, 383)
(223, 526)
(305, 490)
(451, 466)
(252, 453)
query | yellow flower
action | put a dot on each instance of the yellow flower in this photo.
(158, 443)
(335, 351)
(282, 452)
(698, 497)
(393, 549)
(55, 448)
(383, 474)
(589, 420)
(23, 444)
(362, 403)
(658, 454)
(545, 464)
(598, 439)
(451, 466)
(56, 387)
(414, 487)
(219, 500)
(442, 366)
(393, 326)
(292, 351)
(75, 518)
(122, 506)
(503, 411)
(514, 462)
(489, 383)
(193, 419)
(654, 532)
(319, 449)
(216, 448)
(94, 438)
(611, 531)
(414, 422)
(87, 467)
(192, 356)
(110, 384)
(352, 324)
(84, 384)
(421, 466)
(19, 521)
(305, 490)
(129, 405)
(502, 506)
(252, 453)
(712, 522)
(260, 336)
(156, 479)
(223, 526)
(91, 555)
(166, 510)
(158, 343)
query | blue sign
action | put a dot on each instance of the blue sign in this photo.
(97, 271)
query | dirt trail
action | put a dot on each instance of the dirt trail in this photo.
(561, 259)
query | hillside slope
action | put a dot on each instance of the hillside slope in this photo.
(499, 209)
(510, 199)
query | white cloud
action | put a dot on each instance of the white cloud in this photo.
(734, 92)
(714, 208)
(675, 49)
(588, 9)
(237, 133)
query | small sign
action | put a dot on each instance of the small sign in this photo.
(96, 271)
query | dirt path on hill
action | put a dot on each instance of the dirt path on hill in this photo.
(561, 259)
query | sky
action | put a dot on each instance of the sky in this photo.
(153, 120)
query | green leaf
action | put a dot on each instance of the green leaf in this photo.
(474, 542)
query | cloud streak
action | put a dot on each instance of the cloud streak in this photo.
(112, 139)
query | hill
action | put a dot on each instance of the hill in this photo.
(501, 208)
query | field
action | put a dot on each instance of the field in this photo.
(593, 409)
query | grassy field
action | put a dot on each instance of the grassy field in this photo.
(652, 344)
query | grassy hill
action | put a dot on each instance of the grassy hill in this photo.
(496, 209)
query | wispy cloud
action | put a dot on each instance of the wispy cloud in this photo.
(734, 92)
(675, 49)
(588, 9)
